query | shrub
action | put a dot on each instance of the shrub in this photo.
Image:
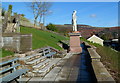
(51, 27)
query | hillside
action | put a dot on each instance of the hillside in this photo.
(43, 38)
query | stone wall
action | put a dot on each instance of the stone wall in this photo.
(26, 42)
(28, 24)
(17, 42)
(101, 73)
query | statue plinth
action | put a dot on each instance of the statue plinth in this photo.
(75, 42)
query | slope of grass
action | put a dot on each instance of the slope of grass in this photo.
(109, 57)
(43, 38)
(5, 53)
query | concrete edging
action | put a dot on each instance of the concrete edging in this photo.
(101, 73)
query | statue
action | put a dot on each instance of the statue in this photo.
(74, 21)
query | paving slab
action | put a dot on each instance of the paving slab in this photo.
(93, 54)
(24, 79)
(69, 69)
(66, 69)
(68, 56)
(34, 79)
(101, 73)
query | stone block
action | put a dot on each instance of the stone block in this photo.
(75, 43)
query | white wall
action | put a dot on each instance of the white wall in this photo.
(96, 39)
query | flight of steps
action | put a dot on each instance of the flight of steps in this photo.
(38, 64)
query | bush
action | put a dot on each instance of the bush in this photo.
(51, 27)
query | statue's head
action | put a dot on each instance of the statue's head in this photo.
(74, 11)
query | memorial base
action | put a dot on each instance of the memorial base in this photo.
(75, 43)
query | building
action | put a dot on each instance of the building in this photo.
(96, 39)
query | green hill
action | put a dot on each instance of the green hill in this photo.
(43, 38)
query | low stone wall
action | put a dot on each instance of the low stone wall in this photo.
(17, 42)
(11, 41)
(28, 24)
(100, 71)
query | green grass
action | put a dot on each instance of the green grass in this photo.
(5, 53)
(110, 56)
(94, 44)
(43, 38)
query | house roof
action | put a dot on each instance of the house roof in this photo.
(95, 37)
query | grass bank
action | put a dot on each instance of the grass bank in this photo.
(43, 38)
(109, 57)
(5, 53)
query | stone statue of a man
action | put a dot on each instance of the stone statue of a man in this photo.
(74, 21)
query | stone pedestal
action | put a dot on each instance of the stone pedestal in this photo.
(75, 43)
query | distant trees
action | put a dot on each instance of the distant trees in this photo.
(107, 36)
(40, 10)
(51, 27)
(64, 31)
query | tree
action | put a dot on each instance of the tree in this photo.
(3, 11)
(51, 27)
(22, 15)
(45, 10)
(107, 36)
(15, 13)
(9, 10)
(39, 9)
(36, 9)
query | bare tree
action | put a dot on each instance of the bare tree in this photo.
(45, 11)
(46, 7)
(40, 10)
(36, 9)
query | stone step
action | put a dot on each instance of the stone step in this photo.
(33, 56)
(38, 66)
(47, 68)
(36, 61)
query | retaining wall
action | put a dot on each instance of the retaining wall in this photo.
(17, 42)
(100, 71)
